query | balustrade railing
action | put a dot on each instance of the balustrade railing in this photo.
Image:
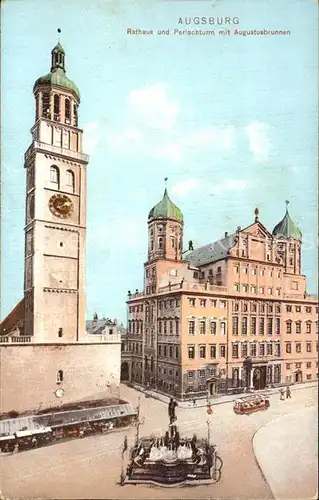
(56, 149)
(23, 339)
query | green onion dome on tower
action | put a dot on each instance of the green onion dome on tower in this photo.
(287, 229)
(166, 209)
(57, 74)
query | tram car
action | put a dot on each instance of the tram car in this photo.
(251, 404)
(7, 443)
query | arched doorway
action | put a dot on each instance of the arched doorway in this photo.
(259, 378)
(212, 386)
(298, 376)
(124, 371)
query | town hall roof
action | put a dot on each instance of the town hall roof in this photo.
(212, 252)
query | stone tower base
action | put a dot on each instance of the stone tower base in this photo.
(38, 376)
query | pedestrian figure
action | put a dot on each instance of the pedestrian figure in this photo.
(288, 392)
(171, 410)
(282, 394)
(16, 448)
(194, 402)
(209, 408)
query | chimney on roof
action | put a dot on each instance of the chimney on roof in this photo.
(238, 229)
(190, 245)
(226, 234)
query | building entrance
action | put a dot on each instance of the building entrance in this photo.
(212, 388)
(298, 376)
(124, 371)
(259, 378)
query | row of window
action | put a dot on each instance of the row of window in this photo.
(46, 109)
(271, 322)
(168, 351)
(270, 308)
(211, 372)
(289, 366)
(135, 326)
(254, 289)
(55, 177)
(165, 371)
(174, 243)
(169, 303)
(254, 271)
(298, 326)
(222, 304)
(135, 347)
(203, 327)
(299, 347)
(202, 351)
(308, 309)
(168, 327)
(137, 308)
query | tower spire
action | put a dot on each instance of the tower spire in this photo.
(287, 203)
(58, 55)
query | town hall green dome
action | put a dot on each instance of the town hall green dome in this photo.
(166, 208)
(286, 229)
(57, 74)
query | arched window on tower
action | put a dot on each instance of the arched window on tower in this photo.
(55, 175)
(75, 115)
(67, 111)
(56, 107)
(46, 105)
(70, 179)
(160, 243)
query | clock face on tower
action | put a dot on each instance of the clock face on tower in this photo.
(61, 206)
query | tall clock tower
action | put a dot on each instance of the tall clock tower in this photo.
(55, 231)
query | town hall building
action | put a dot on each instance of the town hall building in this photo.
(233, 313)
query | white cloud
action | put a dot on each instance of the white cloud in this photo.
(130, 137)
(91, 137)
(186, 186)
(220, 138)
(183, 188)
(117, 234)
(259, 143)
(172, 151)
(229, 185)
(152, 107)
(223, 138)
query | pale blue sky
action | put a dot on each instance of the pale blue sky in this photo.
(231, 121)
